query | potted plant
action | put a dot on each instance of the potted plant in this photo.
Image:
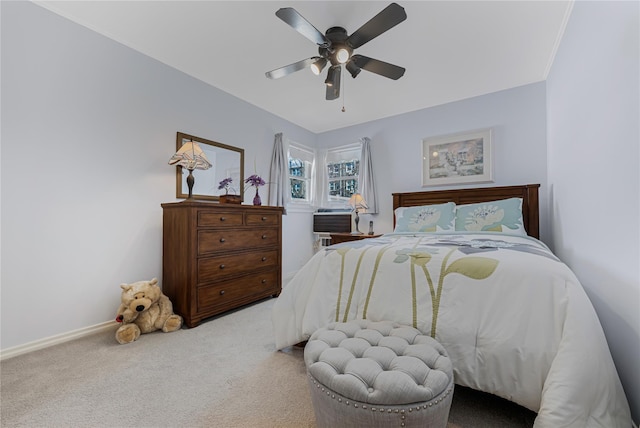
(256, 181)
(228, 198)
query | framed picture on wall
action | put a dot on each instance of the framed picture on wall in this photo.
(457, 158)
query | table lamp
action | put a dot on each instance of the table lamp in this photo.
(357, 202)
(190, 156)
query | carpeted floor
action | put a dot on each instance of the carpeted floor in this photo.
(225, 372)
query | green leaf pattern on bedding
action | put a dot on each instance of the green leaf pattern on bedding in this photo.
(470, 266)
(473, 267)
(342, 252)
(373, 278)
(353, 285)
(421, 260)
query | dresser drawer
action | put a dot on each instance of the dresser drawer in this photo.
(236, 239)
(226, 292)
(220, 219)
(270, 219)
(212, 268)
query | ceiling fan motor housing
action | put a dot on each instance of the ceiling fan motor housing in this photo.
(338, 38)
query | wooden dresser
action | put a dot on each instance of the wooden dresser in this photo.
(217, 257)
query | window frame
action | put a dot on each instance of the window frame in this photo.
(309, 178)
(340, 201)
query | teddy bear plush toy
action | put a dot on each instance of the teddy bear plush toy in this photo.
(144, 309)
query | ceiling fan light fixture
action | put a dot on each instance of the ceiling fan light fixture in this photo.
(332, 75)
(342, 55)
(353, 69)
(318, 66)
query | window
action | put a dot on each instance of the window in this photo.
(301, 161)
(343, 168)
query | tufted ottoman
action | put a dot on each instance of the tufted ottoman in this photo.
(378, 374)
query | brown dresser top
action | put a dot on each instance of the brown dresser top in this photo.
(215, 205)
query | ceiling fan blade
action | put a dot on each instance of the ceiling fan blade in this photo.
(333, 82)
(302, 26)
(378, 67)
(388, 18)
(291, 68)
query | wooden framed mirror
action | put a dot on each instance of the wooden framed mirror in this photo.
(227, 161)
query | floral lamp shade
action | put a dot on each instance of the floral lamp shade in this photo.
(358, 204)
(190, 156)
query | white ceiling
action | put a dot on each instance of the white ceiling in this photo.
(452, 50)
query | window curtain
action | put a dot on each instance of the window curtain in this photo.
(367, 183)
(322, 193)
(278, 175)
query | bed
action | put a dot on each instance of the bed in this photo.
(514, 319)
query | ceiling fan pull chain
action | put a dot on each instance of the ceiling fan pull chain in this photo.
(342, 81)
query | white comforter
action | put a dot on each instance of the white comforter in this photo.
(514, 319)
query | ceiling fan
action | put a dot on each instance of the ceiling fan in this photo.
(336, 48)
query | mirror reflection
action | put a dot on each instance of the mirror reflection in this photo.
(227, 161)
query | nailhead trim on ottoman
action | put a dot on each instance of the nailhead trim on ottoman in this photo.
(378, 374)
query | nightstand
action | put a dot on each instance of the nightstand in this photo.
(338, 237)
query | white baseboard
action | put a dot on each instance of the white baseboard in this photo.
(76, 334)
(56, 340)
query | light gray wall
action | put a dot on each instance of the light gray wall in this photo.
(88, 127)
(516, 116)
(593, 110)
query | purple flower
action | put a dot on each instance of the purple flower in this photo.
(224, 184)
(255, 180)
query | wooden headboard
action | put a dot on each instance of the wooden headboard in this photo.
(528, 193)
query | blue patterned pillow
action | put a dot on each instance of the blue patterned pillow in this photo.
(496, 216)
(426, 218)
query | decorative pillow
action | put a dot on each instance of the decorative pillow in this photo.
(426, 218)
(496, 216)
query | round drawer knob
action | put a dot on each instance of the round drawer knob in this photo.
(264, 281)
(223, 240)
(221, 292)
(264, 236)
(264, 258)
(223, 219)
(264, 219)
(221, 266)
